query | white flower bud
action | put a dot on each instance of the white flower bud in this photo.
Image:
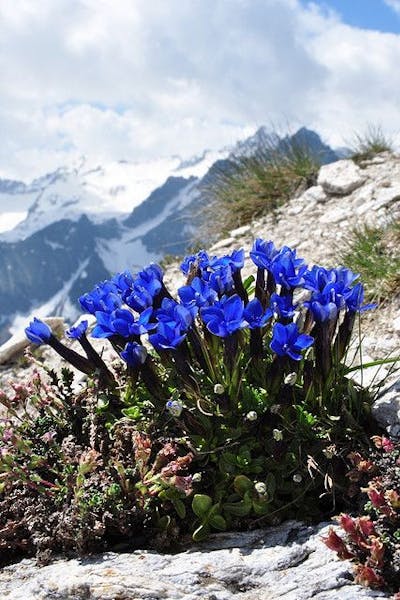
(196, 477)
(260, 488)
(290, 379)
(174, 407)
(297, 478)
(219, 389)
(277, 435)
(275, 409)
(252, 416)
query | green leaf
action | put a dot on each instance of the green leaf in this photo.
(180, 508)
(270, 482)
(242, 484)
(218, 522)
(201, 533)
(201, 504)
(239, 509)
(133, 412)
(261, 506)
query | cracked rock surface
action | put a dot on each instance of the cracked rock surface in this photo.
(288, 562)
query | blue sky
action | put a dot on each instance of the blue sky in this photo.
(368, 14)
(140, 79)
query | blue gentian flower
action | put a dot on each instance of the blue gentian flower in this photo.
(139, 299)
(225, 316)
(150, 279)
(262, 253)
(316, 278)
(104, 297)
(235, 261)
(124, 282)
(77, 332)
(167, 337)
(255, 315)
(201, 260)
(283, 306)
(103, 327)
(287, 269)
(174, 314)
(197, 294)
(322, 308)
(287, 341)
(38, 332)
(221, 280)
(354, 299)
(134, 354)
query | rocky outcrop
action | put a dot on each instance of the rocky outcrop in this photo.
(288, 562)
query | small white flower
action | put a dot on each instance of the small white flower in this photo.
(275, 409)
(277, 435)
(252, 416)
(174, 407)
(290, 379)
(260, 488)
(219, 389)
(297, 478)
(196, 477)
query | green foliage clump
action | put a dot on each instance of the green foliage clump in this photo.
(374, 253)
(370, 143)
(372, 539)
(258, 183)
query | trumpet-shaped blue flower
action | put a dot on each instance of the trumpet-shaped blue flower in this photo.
(200, 260)
(287, 341)
(221, 280)
(104, 297)
(122, 322)
(134, 354)
(167, 337)
(197, 294)
(283, 306)
(139, 299)
(174, 314)
(77, 332)
(287, 269)
(38, 332)
(150, 279)
(255, 315)
(263, 253)
(235, 261)
(354, 300)
(124, 282)
(225, 316)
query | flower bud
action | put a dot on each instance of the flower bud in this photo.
(260, 488)
(219, 389)
(297, 478)
(290, 379)
(196, 478)
(174, 407)
(277, 435)
(252, 416)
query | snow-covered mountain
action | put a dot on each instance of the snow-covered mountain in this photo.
(66, 231)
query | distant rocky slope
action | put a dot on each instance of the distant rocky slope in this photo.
(289, 561)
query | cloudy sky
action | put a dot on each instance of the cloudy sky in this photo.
(138, 79)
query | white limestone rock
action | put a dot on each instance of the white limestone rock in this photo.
(288, 562)
(386, 409)
(341, 177)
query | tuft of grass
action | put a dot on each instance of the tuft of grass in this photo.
(374, 253)
(370, 143)
(260, 182)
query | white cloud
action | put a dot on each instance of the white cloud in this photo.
(132, 79)
(395, 4)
